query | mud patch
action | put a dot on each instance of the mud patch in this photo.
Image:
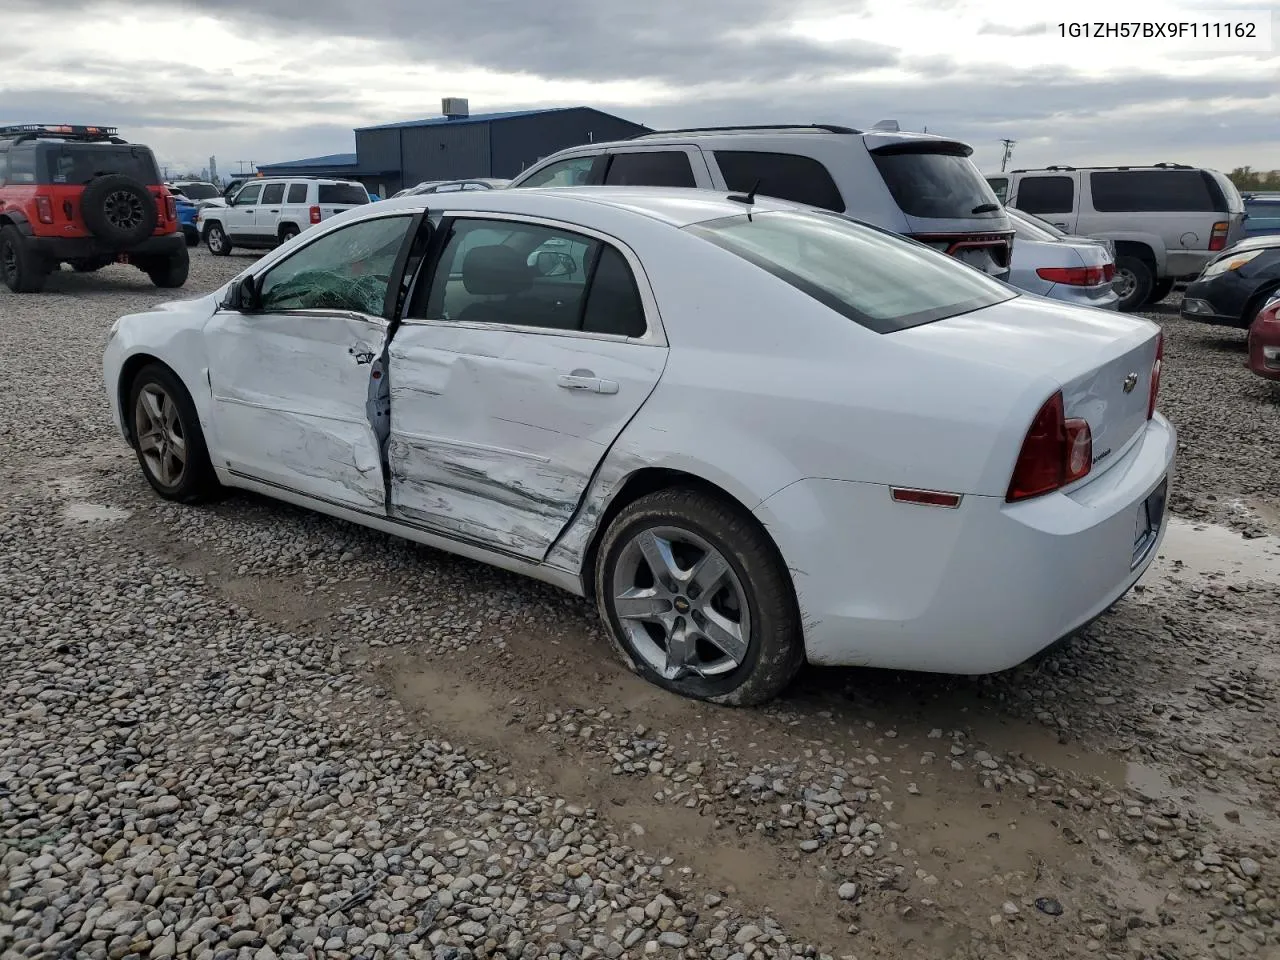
(80, 512)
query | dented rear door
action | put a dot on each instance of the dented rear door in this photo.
(500, 409)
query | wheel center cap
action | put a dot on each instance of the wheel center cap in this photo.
(681, 605)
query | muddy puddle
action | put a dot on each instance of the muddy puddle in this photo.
(1206, 550)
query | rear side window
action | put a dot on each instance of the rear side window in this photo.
(935, 181)
(1154, 191)
(343, 193)
(878, 280)
(22, 165)
(1046, 194)
(273, 193)
(77, 164)
(650, 169)
(297, 193)
(613, 301)
(783, 175)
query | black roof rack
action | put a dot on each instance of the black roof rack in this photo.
(1131, 166)
(825, 127)
(59, 131)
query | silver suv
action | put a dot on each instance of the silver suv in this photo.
(1167, 220)
(919, 185)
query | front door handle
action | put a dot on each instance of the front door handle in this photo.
(586, 383)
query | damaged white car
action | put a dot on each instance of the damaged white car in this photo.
(753, 432)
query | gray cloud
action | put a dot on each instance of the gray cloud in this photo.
(1004, 30)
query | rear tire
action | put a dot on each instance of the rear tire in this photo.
(217, 240)
(287, 233)
(1159, 290)
(167, 438)
(1134, 281)
(21, 268)
(739, 626)
(168, 272)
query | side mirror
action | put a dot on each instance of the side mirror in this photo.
(246, 296)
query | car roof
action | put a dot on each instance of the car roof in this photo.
(677, 206)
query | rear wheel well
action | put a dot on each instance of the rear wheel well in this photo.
(640, 484)
(128, 373)
(1132, 248)
(280, 230)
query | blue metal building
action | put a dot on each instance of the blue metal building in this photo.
(392, 156)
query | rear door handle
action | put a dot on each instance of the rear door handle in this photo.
(586, 384)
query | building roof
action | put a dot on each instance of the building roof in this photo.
(329, 162)
(475, 118)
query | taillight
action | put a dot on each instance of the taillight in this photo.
(1075, 276)
(1218, 239)
(1055, 452)
(315, 214)
(44, 210)
(1109, 272)
(1155, 376)
(171, 207)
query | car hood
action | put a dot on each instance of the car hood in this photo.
(1252, 243)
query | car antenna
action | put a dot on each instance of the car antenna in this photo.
(749, 197)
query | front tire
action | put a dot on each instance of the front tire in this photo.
(167, 438)
(218, 241)
(21, 268)
(1133, 282)
(696, 599)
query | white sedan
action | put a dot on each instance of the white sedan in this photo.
(753, 432)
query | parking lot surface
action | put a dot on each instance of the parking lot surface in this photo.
(248, 731)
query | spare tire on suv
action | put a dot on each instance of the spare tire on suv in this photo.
(119, 210)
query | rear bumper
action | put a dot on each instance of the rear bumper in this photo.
(970, 590)
(84, 248)
(1264, 355)
(1103, 297)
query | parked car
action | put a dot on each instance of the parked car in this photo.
(919, 185)
(195, 190)
(1167, 220)
(83, 196)
(1053, 231)
(267, 212)
(900, 463)
(187, 212)
(1059, 268)
(1233, 287)
(449, 186)
(1263, 211)
(1264, 341)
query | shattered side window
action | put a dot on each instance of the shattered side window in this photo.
(348, 269)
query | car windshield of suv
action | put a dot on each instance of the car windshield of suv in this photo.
(350, 193)
(881, 281)
(200, 191)
(936, 181)
(79, 163)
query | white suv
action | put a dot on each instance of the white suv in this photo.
(267, 212)
(1167, 220)
(919, 185)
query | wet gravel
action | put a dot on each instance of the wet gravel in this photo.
(213, 745)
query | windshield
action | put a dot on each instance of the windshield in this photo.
(936, 181)
(351, 193)
(1026, 227)
(876, 279)
(79, 163)
(199, 191)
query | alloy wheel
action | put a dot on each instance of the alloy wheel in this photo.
(123, 210)
(1124, 284)
(161, 441)
(681, 604)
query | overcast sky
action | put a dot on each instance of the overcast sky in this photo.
(261, 80)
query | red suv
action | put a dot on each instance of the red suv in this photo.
(81, 195)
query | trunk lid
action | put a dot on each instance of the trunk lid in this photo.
(1103, 361)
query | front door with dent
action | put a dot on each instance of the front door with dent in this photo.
(296, 382)
(518, 364)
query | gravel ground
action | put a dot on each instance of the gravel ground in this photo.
(246, 731)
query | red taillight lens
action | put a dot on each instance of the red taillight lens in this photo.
(315, 214)
(1218, 239)
(1056, 451)
(1075, 276)
(1155, 375)
(171, 208)
(44, 210)
(1109, 272)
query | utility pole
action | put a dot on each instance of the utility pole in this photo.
(1008, 152)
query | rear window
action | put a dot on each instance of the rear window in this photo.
(936, 181)
(878, 280)
(1027, 229)
(77, 164)
(1046, 194)
(1155, 191)
(650, 169)
(349, 193)
(783, 175)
